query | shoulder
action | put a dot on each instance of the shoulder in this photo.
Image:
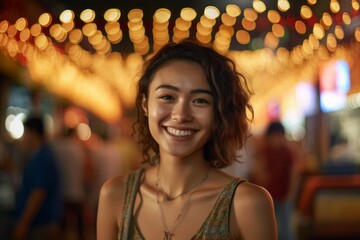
(253, 213)
(114, 188)
(111, 199)
(251, 194)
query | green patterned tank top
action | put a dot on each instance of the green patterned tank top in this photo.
(216, 225)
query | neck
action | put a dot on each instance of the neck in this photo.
(177, 178)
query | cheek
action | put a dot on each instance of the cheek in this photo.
(207, 119)
(155, 115)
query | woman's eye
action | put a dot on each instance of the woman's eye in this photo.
(166, 97)
(200, 100)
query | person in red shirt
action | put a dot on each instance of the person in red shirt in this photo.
(275, 171)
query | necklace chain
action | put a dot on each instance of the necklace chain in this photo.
(169, 232)
(169, 198)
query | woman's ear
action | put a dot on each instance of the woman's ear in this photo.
(144, 104)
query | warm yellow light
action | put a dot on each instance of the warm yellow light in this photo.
(271, 41)
(75, 36)
(357, 34)
(211, 12)
(203, 30)
(228, 20)
(182, 24)
(89, 29)
(259, 6)
(227, 31)
(84, 132)
(318, 31)
(334, 6)
(250, 14)
(115, 37)
(45, 19)
(355, 5)
(283, 5)
(112, 27)
(21, 24)
(12, 47)
(180, 34)
(300, 27)
(233, 10)
(314, 42)
(35, 30)
(135, 26)
(306, 12)
(162, 15)
(326, 20)
(55, 30)
(41, 41)
(67, 16)
(12, 31)
(4, 26)
(307, 48)
(346, 18)
(96, 38)
(243, 37)
(339, 32)
(87, 16)
(25, 35)
(135, 15)
(68, 26)
(188, 14)
(203, 38)
(112, 15)
(273, 16)
(311, 2)
(331, 42)
(207, 22)
(278, 30)
(248, 25)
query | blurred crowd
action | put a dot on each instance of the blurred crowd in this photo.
(50, 186)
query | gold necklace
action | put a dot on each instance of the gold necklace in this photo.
(169, 198)
(169, 232)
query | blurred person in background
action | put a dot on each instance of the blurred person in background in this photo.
(39, 205)
(71, 158)
(7, 188)
(275, 169)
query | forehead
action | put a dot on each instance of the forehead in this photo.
(181, 73)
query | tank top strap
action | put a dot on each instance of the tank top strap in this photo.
(132, 186)
(217, 224)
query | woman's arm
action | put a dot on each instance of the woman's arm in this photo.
(110, 209)
(253, 211)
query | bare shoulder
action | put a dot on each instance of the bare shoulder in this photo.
(253, 212)
(252, 195)
(113, 187)
(111, 198)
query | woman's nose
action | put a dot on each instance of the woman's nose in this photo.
(181, 112)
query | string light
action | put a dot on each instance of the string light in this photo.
(214, 26)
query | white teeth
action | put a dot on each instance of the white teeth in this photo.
(179, 133)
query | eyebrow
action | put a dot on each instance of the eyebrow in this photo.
(177, 89)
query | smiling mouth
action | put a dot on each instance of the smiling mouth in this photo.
(179, 133)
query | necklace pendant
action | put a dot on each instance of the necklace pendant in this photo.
(167, 235)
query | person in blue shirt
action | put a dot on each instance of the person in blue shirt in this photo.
(38, 205)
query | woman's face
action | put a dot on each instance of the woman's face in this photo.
(180, 108)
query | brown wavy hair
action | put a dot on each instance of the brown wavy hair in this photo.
(232, 109)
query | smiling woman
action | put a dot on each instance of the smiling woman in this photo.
(192, 117)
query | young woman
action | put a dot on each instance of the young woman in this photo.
(193, 114)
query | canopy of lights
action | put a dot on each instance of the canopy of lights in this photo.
(93, 56)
